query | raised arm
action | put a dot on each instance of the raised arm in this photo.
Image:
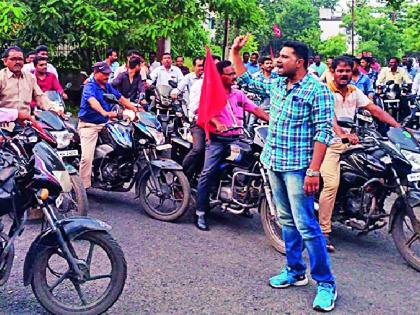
(262, 88)
(238, 44)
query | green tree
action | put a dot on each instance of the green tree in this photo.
(410, 28)
(297, 19)
(333, 46)
(376, 32)
(12, 17)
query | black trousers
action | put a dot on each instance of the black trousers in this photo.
(194, 160)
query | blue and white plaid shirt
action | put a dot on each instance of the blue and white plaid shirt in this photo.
(298, 118)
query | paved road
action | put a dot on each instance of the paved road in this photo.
(176, 269)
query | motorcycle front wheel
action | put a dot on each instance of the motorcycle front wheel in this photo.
(104, 273)
(272, 228)
(406, 235)
(165, 197)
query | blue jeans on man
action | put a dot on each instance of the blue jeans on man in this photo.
(300, 226)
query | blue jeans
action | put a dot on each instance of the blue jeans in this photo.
(296, 214)
(217, 150)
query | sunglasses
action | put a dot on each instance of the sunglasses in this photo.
(229, 74)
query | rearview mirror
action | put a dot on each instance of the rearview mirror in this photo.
(110, 98)
(172, 83)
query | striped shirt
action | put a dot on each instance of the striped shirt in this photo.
(298, 118)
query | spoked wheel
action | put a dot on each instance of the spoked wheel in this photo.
(104, 272)
(7, 263)
(272, 228)
(406, 235)
(75, 202)
(167, 197)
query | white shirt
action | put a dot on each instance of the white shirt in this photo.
(8, 114)
(346, 107)
(29, 67)
(161, 76)
(154, 65)
(194, 101)
(186, 84)
(416, 84)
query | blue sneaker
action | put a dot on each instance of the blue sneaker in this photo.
(325, 297)
(284, 279)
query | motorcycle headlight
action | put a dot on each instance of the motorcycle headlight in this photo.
(413, 158)
(63, 138)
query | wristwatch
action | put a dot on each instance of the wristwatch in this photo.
(312, 173)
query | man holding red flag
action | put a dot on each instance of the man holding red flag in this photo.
(221, 114)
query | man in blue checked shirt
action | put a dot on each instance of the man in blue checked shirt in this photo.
(300, 129)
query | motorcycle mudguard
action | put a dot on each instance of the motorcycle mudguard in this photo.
(166, 164)
(161, 164)
(413, 198)
(73, 227)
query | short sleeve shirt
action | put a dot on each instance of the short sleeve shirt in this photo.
(92, 89)
(346, 106)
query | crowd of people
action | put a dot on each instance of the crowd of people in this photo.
(301, 97)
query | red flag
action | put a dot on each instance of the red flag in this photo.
(277, 31)
(271, 53)
(213, 96)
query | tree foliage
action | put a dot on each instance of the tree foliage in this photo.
(410, 28)
(333, 46)
(376, 32)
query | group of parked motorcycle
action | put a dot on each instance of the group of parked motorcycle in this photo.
(144, 151)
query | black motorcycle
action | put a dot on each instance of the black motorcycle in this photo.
(74, 265)
(171, 113)
(126, 157)
(369, 173)
(67, 146)
(244, 183)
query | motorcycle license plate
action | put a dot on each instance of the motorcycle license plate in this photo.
(68, 153)
(418, 114)
(163, 147)
(414, 177)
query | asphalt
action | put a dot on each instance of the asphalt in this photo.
(173, 268)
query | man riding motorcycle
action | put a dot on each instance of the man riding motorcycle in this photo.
(347, 99)
(217, 148)
(94, 113)
(166, 72)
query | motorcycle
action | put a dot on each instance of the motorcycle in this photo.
(126, 157)
(369, 173)
(67, 147)
(169, 112)
(244, 181)
(74, 266)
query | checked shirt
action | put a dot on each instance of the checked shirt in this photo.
(298, 118)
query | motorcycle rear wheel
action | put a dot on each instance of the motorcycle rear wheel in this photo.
(406, 239)
(52, 274)
(272, 228)
(177, 192)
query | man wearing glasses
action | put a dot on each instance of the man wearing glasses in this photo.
(17, 87)
(221, 136)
